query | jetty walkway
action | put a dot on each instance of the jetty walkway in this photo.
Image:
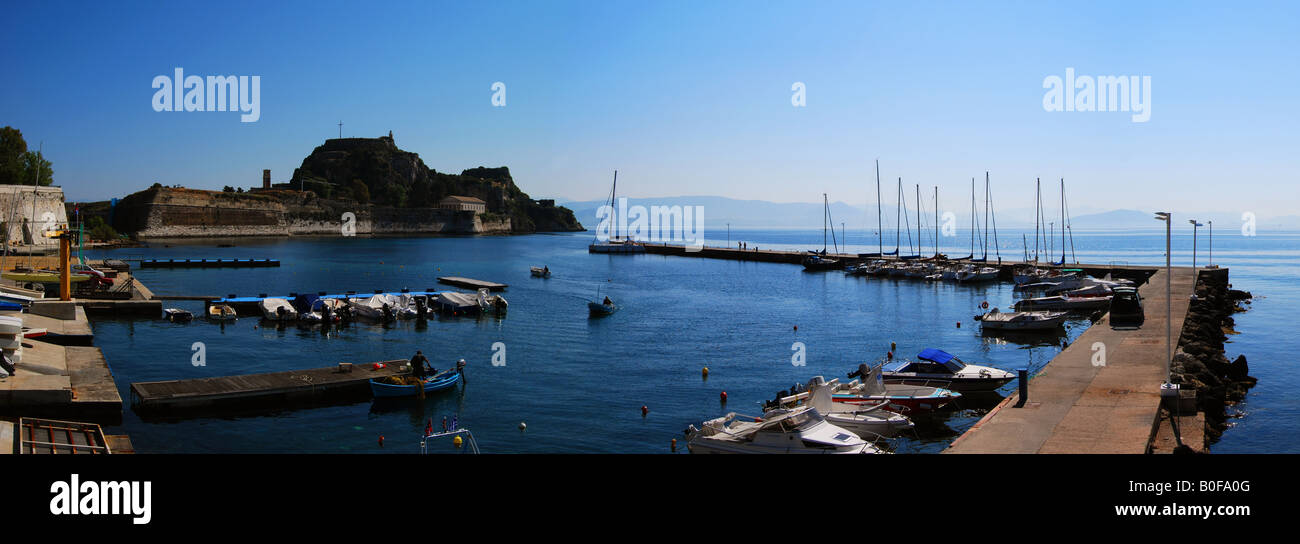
(1076, 406)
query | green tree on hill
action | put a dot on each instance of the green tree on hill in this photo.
(18, 165)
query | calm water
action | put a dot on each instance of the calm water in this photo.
(579, 383)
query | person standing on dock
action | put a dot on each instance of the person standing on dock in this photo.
(419, 365)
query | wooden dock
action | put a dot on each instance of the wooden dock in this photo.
(252, 391)
(470, 283)
(209, 263)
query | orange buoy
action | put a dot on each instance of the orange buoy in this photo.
(889, 355)
(674, 445)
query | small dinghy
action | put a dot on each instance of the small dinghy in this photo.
(540, 272)
(436, 382)
(222, 312)
(177, 315)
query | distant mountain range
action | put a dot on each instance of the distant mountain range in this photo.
(751, 214)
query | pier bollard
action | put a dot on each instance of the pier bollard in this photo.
(1023, 374)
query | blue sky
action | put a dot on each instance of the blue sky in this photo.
(681, 97)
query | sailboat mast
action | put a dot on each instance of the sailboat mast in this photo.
(973, 228)
(986, 217)
(936, 220)
(898, 217)
(1038, 204)
(825, 216)
(918, 220)
(880, 231)
(1062, 220)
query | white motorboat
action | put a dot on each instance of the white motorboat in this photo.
(916, 400)
(935, 365)
(1063, 303)
(177, 315)
(795, 430)
(1021, 321)
(972, 274)
(867, 421)
(277, 309)
(1028, 275)
(540, 271)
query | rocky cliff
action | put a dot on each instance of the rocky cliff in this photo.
(346, 186)
(375, 170)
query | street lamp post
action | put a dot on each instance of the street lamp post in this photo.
(1195, 225)
(1169, 305)
(1211, 243)
(728, 234)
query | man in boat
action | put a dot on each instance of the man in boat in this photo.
(608, 302)
(420, 365)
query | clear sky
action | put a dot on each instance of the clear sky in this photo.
(681, 97)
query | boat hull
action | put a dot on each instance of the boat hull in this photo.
(438, 382)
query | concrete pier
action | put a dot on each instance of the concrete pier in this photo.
(71, 382)
(1075, 405)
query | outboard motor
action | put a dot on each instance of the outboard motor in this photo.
(279, 312)
(420, 309)
(862, 372)
(388, 313)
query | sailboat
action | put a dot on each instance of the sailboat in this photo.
(614, 244)
(815, 261)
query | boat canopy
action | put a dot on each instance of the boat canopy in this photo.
(942, 357)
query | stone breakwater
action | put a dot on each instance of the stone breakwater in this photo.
(1200, 362)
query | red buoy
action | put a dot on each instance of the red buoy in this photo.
(381, 440)
(723, 396)
(959, 324)
(644, 410)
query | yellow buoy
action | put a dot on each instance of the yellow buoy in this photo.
(457, 441)
(705, 372)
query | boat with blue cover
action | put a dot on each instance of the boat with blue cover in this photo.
(442, 380)
(934, 365)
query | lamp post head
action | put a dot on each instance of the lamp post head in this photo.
(1162, 216)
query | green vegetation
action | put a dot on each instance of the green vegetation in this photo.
(97, 229)
(20, 166)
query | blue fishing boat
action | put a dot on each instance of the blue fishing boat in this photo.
(437, 382)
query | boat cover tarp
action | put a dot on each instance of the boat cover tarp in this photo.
(304, 303)
(942, 357)
(457, 301)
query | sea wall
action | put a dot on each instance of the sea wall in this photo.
(27, 211)
(1200, 362)
(164, 212)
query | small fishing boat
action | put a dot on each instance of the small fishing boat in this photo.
(1064, 303)
(222, 312)
(872, 390)
(795, 430)
(939, 366)
(817, 263)
(865, 421)
(437, 382)
(277, 309)
(177, 315)
(1021, 321)
(599, 309)
(540, 271)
